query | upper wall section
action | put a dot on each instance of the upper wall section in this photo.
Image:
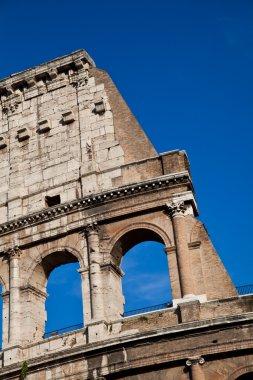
(66, 131)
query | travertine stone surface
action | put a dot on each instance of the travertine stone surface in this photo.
(81, 182)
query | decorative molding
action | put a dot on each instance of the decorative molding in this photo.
(94, 200)
(176, 209)
(170, 250)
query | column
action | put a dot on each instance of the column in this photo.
(14, 301)
(95, 275)
(195, 364)
(177, 214)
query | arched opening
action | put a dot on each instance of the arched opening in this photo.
(64, 301)
(146, 283)
(246, 376)
(55, 291)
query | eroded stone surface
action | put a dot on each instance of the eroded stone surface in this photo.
(80, 182)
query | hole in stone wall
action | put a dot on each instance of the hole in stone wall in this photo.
(146, 282)
(52, 201)
(64, 303)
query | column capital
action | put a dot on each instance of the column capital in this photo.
(176, 209)
(195, 360)
(13, 252)
(91, 228)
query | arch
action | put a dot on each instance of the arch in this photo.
(134, 234)
(127, 238)
(242, 373)
(35, 289)
(147, 279)
(54, 257)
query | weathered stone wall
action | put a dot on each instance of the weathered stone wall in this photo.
(58, 136)
(81, 182)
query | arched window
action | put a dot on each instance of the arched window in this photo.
(55, 288)
(139, 252)
(64, 303)
(146, 281)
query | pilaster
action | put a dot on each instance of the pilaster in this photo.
(177, 214)
(14, 334)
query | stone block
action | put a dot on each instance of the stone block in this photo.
(43, 126)
(189, 311)
(68, 117)
(23, 134)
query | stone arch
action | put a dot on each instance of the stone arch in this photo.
(137, 233)
(35, 293)
(53, 257)
(246, 370)
(122, 241)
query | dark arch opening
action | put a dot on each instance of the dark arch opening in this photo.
(146, 283)
(246, 376)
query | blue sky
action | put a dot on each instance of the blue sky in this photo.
(186, 70)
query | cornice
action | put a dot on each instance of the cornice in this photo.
(95, 200)
(57, 63)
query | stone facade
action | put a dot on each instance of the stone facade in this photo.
(81, 182)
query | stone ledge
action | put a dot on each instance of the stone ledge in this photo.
(165, 333)
(94, 200)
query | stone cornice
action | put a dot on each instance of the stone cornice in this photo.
(64, 62)
(95, 200)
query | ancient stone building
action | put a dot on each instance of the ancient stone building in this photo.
(81, 182)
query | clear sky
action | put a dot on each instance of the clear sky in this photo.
(186, 70)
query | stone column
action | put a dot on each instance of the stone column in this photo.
(84, 272)
(95, 275)
(195, 364)
(14, 299)
(177, 214)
